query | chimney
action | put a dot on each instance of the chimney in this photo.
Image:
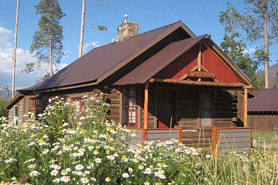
(127, 29)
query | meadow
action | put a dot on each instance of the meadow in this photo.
(66, 146)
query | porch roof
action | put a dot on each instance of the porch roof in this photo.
(156, 63)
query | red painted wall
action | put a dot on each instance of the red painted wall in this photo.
(213, 64)
(188, 60)
(180, 66)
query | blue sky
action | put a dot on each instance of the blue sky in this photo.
(201, 16)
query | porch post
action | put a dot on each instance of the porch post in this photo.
(245, 107)
(199, 58)
(146, 102)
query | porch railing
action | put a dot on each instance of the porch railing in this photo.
(152, 134)
(231, 139)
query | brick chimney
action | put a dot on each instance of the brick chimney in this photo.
(127, 29)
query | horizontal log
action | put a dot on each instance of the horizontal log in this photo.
(201, 74)
(219, 84)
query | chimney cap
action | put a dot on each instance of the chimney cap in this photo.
(125, 17)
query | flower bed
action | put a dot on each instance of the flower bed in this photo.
(66, 146)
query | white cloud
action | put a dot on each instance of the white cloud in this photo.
(5, 35)
(90, 45)
(22, 57)
(249, 51)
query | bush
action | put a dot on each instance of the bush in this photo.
(3, 112)
(70, 147)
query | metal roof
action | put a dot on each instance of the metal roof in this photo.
(100, 60)
(265, 100)
(156, 63)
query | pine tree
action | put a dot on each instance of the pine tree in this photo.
(47, 40)
(233, 45)
(261, 26)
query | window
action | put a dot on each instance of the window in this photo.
(78, 103)
(130, 107)
(33, 103)
(206, 109)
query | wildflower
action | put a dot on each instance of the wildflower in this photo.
(90, 166)
(57, 180)
(68, 169)
(148, 171)
(79, 167)
(31, 144)
(130, 170)
(32, 166)
(111, 157)
(65, 179)
(45, 151)
(64, 172)
(84, 180)
(95, 152)
(107, 179)
(45, 136)
(93, 179)
(34, 173)
(125, 175)
(147, 183)
(54, 172)
(90, 148)
(41, 142)
(98, 160)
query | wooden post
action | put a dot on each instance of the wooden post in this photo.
(199, 58)
(146, 102)
(245, 107)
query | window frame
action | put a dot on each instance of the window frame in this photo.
(210, 92)
(134, 108)
(33, 103)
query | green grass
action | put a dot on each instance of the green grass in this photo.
(267, 140)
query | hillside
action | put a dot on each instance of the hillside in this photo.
(273, 70)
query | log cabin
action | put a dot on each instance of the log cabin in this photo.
(167, 80)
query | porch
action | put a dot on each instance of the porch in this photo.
(173, 135)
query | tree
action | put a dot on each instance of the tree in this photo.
(233, 45)
(47, 41)
(101, 28)
(261, 25)
(3, 112)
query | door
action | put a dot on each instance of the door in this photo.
(165, 108)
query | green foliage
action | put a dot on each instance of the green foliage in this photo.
(231, 19)
(50, 30)
(3, 112)
(254, 22)
(234, 46)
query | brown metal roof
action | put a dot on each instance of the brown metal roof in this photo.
(100, 60)
(265, 100)
(156, 63)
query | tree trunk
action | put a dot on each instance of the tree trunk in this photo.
(15, 46)
(50, 56)
(82, 28)
(265, 47)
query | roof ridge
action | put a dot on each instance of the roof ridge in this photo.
(168, 25)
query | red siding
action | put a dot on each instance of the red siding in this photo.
(188, 61)
(180, 66)
(213, 64)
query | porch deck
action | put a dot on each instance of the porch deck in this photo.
(161, 134)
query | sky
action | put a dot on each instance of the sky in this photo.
(201, 16)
